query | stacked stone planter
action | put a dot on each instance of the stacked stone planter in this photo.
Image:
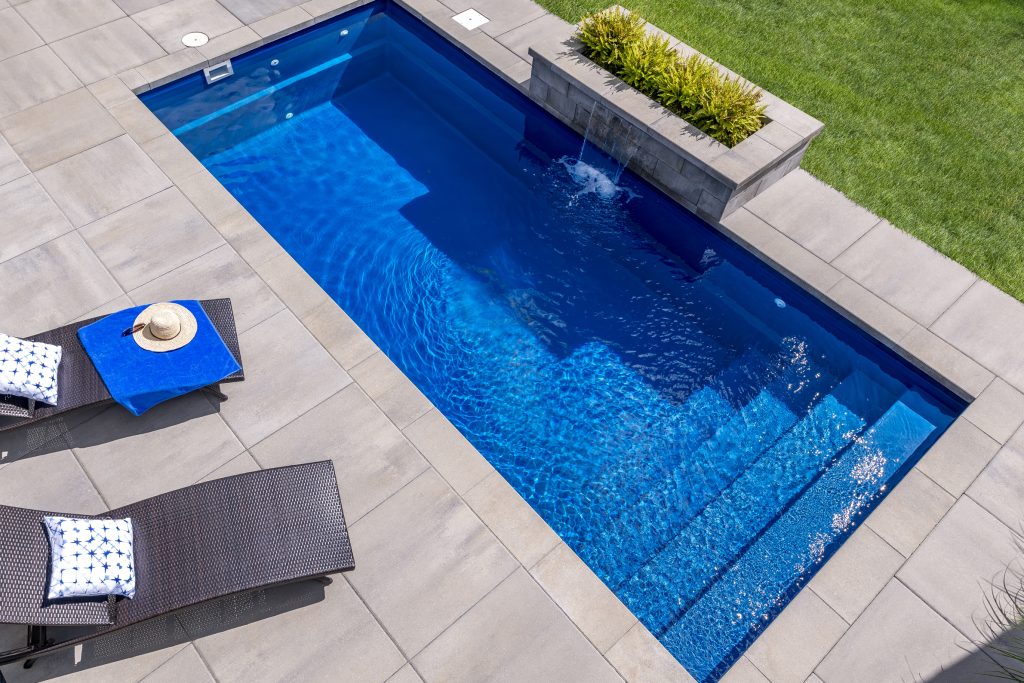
(702, 174)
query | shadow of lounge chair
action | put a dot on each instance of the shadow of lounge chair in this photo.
(192, 546)
(80, 386)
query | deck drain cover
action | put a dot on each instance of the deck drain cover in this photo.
(471, 19)
(195, 39)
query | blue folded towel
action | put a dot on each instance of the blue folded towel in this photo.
(139, 379)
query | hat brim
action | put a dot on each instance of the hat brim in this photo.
(187, 333)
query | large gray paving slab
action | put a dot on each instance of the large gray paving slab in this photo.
(640, 658)
(457, 561)
(744, 671)
(102, 180)
(59, 128)
(240, 464)
(138, 121)
(282, 23)
(512, 519)
(50, 481)
(16, 36)
(373, 459)
(151, 238)
(999, 411)
(56, 19)
(107, 50)
(331, 639)
(253, 11)
(910, 511)
(286, 374)
(1000, 487)
(217, 274)
(988, 325)
(29, 217)
(958, 456)
(172, 157)
(898, 638)
(392, 390)
(948, 366)
(813, 214)
(185, 665)
(780, 251)
(504, 15)
(792, 645)
(32, 303)
(448, 451)
(339, 334)
(905, 272)
(11, 166)
(856, 573)
(596, 611)
(168, 22)
(516, 633)
(406, 674)
(33, 77)
(873, 313)
(954, 566)
(170, 446)
(544, 28)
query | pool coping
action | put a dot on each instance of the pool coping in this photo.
(928, 341)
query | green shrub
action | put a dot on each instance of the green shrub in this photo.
(645, 63)
(606, 34)
(692, 87)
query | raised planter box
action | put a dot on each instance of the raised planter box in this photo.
(702, 174)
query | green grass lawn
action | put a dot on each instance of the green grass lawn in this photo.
(922, 100)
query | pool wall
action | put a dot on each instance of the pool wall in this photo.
(902, 318)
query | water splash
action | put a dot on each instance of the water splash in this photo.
(593, 180)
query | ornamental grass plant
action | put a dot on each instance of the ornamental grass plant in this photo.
(727, 109)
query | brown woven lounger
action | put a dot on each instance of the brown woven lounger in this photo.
(193, 545)
(79, 385)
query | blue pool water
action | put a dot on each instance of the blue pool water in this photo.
(699, 430)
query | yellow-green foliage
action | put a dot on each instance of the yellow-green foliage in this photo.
(606, 34)
(692, 87)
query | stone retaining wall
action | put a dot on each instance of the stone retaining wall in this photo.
(702, 174)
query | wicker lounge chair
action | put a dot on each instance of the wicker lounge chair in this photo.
(193, 545)
(79, 385)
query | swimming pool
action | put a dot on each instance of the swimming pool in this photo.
(699, 430)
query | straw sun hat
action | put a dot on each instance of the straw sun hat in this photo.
(167, 327)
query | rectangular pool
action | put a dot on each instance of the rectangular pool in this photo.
(702, 432)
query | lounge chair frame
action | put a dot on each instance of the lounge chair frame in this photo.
(193, 545)
(79, 385)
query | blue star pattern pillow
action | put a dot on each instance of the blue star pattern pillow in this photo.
(90, 557)
(29, 369)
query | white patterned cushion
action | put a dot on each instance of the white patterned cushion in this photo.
(90, 557)
(29, 369)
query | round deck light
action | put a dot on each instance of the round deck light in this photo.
(195, 39)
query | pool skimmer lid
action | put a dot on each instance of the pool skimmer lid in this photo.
(195, 39)
(471, 19)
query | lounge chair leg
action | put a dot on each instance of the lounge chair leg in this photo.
(28, 663)
(324, 580)
(216, 392)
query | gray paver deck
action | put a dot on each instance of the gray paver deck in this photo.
(447, 552)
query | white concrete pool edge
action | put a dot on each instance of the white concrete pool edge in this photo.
(923, 306)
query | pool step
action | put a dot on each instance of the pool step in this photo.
(671, 580)
(620, 481)
(665, 505)
(747, 595)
